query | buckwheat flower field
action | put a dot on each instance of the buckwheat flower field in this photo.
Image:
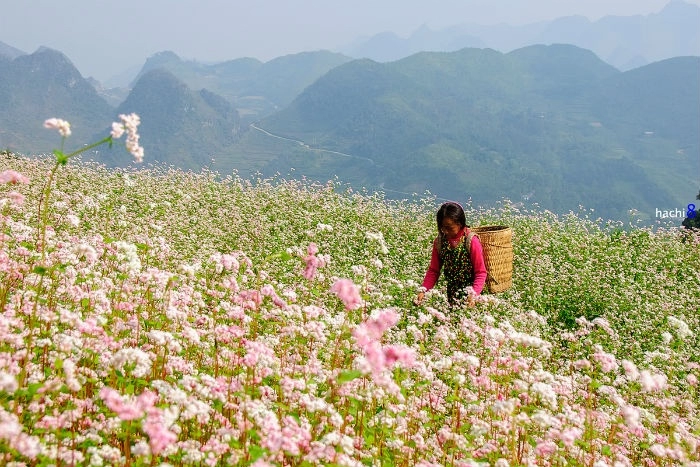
(154, 317)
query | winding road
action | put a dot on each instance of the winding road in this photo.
(306, 146)
(336, 153)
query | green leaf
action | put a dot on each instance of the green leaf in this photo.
(41, 270)
(33, 388)
(256, 452)
(346, 376)
(58, 364)
(61, 158)
(283, 255)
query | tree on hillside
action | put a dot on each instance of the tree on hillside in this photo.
(694, 221)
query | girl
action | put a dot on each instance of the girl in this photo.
(464, 266)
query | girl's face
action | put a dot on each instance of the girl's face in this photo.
(450, 228)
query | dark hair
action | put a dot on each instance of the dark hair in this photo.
(452, 211)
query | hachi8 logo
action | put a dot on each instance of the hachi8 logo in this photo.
(689, 212)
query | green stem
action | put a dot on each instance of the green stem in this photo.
(107, 139)
(61, 159)
(43, 210)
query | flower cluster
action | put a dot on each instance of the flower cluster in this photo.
(129, 124)
(348, 292)
(61, 125)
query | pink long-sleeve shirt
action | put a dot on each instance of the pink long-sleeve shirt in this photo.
(476, 254)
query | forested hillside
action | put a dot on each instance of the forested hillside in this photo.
(550, 124)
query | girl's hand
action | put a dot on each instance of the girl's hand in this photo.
(419, 298)
(471, 300)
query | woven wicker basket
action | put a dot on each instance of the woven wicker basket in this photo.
(497, 243)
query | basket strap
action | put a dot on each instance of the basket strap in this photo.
(468, 242)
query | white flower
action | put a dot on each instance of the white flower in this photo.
(472, 361)
(128, 253)
(141, 360)
(196, 409)
(652, 382)
(73, 220)
(129, 124)
(505, 407)
(8, 382)
(680, 326)
(164, 339)
(543, 419)
(62, 126)
(117, 130)
(379, 238)
(546, 393)
(631, 415)
(84, 250)
(495, 334)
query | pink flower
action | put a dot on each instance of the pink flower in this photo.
(373, 329)
(399, 353)
(295, 438)
(229, 262)
(652, 383)
(545, 448)
(311, 266)
(160, 437)
(117, 130)
(570, 435)
(631, 415)
(129, 409)
(607, 361)
(312, 262)
(368, 334)
(129, 124)
(12, 177)
(269, 291)
(581, 364)
(348, 292)
(261, 463)
(16, 198)
(312, 249)
(630, 370)
(658, 450)
(62, 126)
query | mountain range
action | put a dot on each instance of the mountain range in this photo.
(625, 42)
(555, 125)
(551, 124)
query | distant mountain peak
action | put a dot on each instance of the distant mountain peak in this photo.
(165, 56)
(54, 64)
(679, 8)
(54, 54)
(622, 41)
(9, 51)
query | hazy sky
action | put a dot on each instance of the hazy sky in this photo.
(104, 38)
